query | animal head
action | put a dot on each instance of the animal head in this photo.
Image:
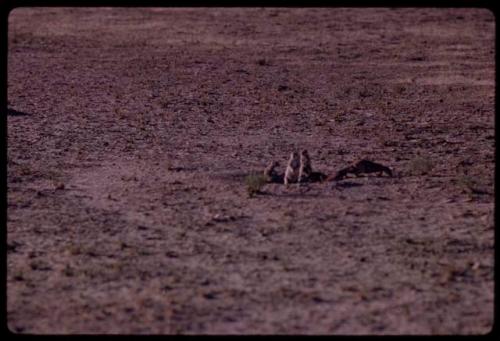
(294, 155)
(273, 164)
(304, 154)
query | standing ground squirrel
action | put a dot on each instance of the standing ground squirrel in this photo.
(292, 169)
(305, 166)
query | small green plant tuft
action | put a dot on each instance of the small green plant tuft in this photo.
(420, 165)
(254, 183)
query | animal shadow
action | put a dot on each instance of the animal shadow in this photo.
(347, 184)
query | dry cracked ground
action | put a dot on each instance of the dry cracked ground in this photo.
(132, 132)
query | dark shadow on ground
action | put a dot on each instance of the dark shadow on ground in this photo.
(12, 112)
(347, 184)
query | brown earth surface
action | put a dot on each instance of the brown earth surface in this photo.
(132, 132)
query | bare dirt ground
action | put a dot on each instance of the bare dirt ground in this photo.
(132, 131)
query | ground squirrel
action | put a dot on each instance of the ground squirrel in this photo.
(292, 169)
(363, 166)
(270, 173)
(305, 169)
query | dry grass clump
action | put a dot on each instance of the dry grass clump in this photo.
(420, 165)
(254, 183)
(466, 183)
(471, 185)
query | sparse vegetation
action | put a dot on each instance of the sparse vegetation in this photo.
(339, 117)
(68, 271)
(40, 265)
(420, 165)
(470, 185)
(254, 183)
(466, 183)
(26, 170)
(19, 276)
(75, 250)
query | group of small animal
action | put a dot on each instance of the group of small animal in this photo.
(299, 170)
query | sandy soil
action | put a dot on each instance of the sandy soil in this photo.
(132, 131)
